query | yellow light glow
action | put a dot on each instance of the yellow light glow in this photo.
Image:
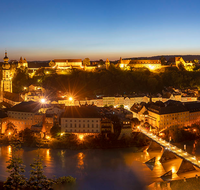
(25, 88)
(151, 67)
(70, 98)
(9, 133)
(61, 134)
(43, 100)
(48, 137)
(173, 170)
(9, 150)
(81, 136)
(121, 65)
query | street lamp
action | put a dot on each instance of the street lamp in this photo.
(43, 100)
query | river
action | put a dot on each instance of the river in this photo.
(109, 169)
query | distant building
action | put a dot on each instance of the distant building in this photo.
(150, 64)
(24, 115)
(22, 63)
(106, 126)
(140, 112)
(7, 75)
(123, 64)
(83, 119)
(11, 99)
(178, 61)
(164, 115)
(66, 63)
(194, 111)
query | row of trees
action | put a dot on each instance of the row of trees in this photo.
(37, 180)
(111, 82)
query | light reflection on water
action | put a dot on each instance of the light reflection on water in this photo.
(102, 169)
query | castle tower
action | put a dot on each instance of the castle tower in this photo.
(107, 63)
(6, 81)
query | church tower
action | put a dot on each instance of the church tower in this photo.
(7, 75)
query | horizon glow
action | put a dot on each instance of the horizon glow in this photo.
(47, 30)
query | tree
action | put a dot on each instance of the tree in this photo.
(10, 129)
(16, 179)
(20, 80)
(28, 137)
(86, 61)
(101, 62)
(152, 83)
(55, 130)
(37, 178)
(163, 60)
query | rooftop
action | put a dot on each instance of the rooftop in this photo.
(30, 106)
(81, 112)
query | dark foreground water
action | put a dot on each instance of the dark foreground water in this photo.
(96, 169)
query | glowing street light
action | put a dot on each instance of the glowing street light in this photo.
(70, 98)
(81, 136)
(43, 100)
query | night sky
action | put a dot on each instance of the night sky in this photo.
(50, 29)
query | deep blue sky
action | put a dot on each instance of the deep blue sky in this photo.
(49, 29)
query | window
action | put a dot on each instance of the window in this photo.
(96, 130)
(97, 126)
(79, 125)
(88, 125)
(75, 125)
(92, 125)
(70, 124)
(83, 125)
(88, 120)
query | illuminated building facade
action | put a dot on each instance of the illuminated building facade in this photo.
(66, 63)
(150, 64)
(7, 75)
(123, 64)
(83, 119)
(24, 115)
(163, 116)
(22, 63)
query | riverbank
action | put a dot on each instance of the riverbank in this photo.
(72, 142)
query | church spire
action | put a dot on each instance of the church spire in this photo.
(6, 58)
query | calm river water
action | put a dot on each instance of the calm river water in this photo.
(112, 169)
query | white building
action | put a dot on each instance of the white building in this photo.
(83, 119)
